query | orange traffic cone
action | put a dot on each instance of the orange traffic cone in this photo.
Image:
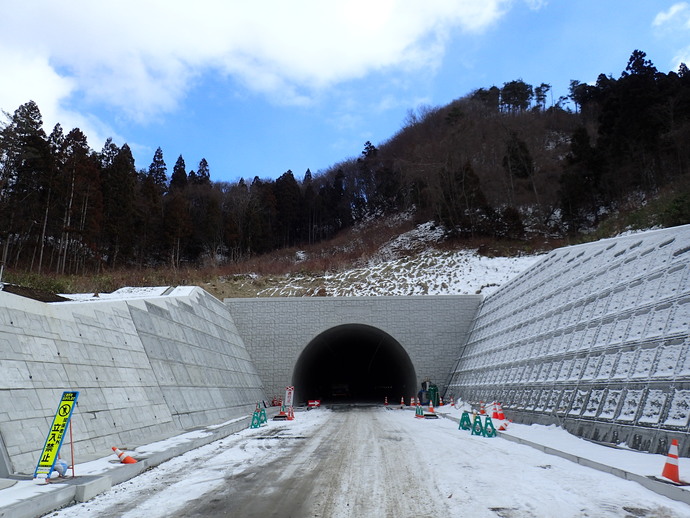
(501, 415)
(385, 400)
(482, 410)
(124, 458)
(402, 402)
(452, 401)
(431, 407)
(440, 401)
(494, 410)
(671, 467)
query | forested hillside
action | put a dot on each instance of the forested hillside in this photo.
(504, 162)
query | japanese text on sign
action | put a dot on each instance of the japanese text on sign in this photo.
(289, 393)
(56, 434)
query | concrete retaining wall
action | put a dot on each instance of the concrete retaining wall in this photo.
(146, 369)
(596, 338)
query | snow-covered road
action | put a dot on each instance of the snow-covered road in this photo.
(363, 461)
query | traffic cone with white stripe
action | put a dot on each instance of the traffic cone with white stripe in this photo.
(494, 410)
(124, 458)
(671, 467)
(501, 415)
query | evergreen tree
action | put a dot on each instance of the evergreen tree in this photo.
(177, 226)
(631, 127)
(119, 194)
(178, 180)
(56, 144)
(149, 211)
(237, 210)
(489, 98)
(108, 153)
(540, 93)
(288, 205)
(516, 96)
(80, 200)
(158, 171)
(581, 190)
(517, 160)
(262, 217)
(309, 213)
(24, 182)
(202, 176)
(463, 203)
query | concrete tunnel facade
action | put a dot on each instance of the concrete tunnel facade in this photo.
(366, 347)
(354, 362)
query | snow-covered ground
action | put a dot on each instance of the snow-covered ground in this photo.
(401, 465)
(410, 265)
(129, 292)
(432, 272)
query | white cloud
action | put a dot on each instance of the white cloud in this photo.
(682, 56)
(677, 13)
(30, 73)
(535, 5)
(673, 25)
(140, 57)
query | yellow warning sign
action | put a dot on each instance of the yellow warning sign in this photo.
(56, 434)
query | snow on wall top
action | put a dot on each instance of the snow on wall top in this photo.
(130, 292)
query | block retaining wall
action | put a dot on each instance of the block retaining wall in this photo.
(594, 337)
(146, 369)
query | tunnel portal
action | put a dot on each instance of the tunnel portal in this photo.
(354, 363)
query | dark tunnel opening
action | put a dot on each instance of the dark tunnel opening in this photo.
(354, 363)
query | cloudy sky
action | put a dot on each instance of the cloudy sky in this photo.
(260, 88)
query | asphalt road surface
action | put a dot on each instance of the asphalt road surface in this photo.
(357, 464)
(363, 461)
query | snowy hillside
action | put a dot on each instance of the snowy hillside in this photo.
(409, 264)
(431, 272)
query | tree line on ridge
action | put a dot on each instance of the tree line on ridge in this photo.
(503, 163)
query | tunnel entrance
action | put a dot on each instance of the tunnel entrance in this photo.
(354, 363)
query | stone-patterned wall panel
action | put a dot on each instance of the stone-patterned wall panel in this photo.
(431, 330)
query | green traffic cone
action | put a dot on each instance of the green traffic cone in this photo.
(256, 420)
